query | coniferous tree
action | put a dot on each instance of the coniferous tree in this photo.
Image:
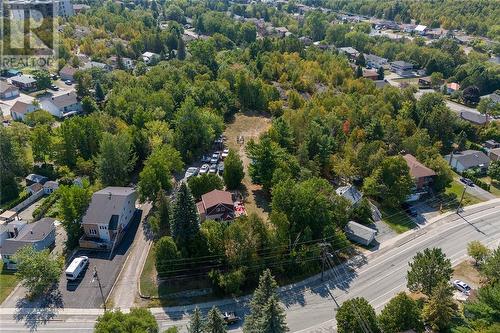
(273, 318)
(99, 92)
(196, 322)
(214, 322)
(440, 309)
(185, 222)
(181, 49)
(261, 296)
(427, 270)
(380, 72)
(164, 213)
(400, 314)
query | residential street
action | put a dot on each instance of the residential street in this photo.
(376, 276)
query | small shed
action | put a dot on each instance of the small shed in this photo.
(359, 233)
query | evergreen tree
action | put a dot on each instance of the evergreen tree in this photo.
(359, 72)
(195, 322)
(181, 49)
(164, 213)
(273, 318)
(99, 92)
(427, 270)
(233, 170)
(261, 296)
(185, 222)
(214, 322)
(440, 309)
(360, 61)
(380, 72)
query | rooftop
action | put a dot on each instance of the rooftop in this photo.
(106, 203)
(471, 158)
(64, 100)
(25, 79)
(30, 233)
(360, 230)
(216, 197)
(417, 169)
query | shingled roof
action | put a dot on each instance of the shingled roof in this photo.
(417, 169)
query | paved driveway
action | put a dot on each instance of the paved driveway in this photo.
(84, 293)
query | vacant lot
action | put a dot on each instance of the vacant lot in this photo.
(250, 126)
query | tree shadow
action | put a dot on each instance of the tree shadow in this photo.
(39, 311)
(262, 200)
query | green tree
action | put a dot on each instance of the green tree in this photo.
(273, 318)
(73, 204)
(204, 184)
(380, 72)
(483, 311)
(195, 322)
(427, 270)
(39, 117)
(167, 255)
(488, 107)
(89, 105)
(233, 170)
(185, 220)
(13, 163)
(181, 49)
(214, 323)
(359, 72)
(41, 142)
(478, 251)
(494, 170)
(99, 92)
(248, 32)
(116, 159)
(355, 314)
(441, 308)
(213, 233)
(164, 213)
(361, 212)
(266, 156)
(43, 80)
(360, 60)
(436, 79)
(400, 314)
(491, 266)
(138, 320)
(391, 181)
(265, 291)
(156, 175)
(36, 270)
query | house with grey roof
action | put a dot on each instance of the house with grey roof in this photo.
(108, 215)
(21, 109)
(8, 91)
(40, 235)
(62, 105)
(351, 193)
(468, 159)
(359, 233)
(10, 230)
(24, 82)
(351, 53)
(402, 68)
(375, 61)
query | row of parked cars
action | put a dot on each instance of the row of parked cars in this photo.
(213, 164)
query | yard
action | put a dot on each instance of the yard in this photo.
(455, 191)
(8, 281)
(397, 219)
(495, 186)
(249, 125)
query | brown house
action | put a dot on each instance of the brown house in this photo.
(216, 205)
(421, 175)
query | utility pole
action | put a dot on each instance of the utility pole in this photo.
(461, 198)
(96, 276)
(324, 247)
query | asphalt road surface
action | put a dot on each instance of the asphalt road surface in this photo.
(378, 276)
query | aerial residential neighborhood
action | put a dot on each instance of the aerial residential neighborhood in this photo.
(262, 166)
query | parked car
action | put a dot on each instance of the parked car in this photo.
(54, 87)
(213, 168)
(204, 169)
(225, 152)
(220, 168)
(409, 209)
(462, 286)
(76, 267)
(215, 158)
(467, 181)
(68, 82)
(190, 172)
(54, 77)
(231, 318)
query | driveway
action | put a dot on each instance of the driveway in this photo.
(27, 213)
(84, 293)
(477, 192)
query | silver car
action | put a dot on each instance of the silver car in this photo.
(213, 168)
(462, 286)
(190, 172)
(204, 169)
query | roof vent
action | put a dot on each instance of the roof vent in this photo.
(109, 195)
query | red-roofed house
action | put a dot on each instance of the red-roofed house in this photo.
(421, 174)
(216, 205)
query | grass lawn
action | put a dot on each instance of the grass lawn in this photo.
(8, 281)
(148, 276)
(495, 186)
(397, 219)
(455, 190)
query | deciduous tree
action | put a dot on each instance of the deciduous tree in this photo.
(478, 251)
(400, 314)
(427, 270)
(356, 314)
(138, 320)
(41, 142)
(116, 159)
(233, 170)
(491, 266)
(167, 256)
(204, 184)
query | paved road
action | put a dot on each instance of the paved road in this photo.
(377, 276)
(126, 286)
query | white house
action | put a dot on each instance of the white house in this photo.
(20, 109)
(61, 105)
(109, 213)
(150, 57)
(8, 91)
(468, 159)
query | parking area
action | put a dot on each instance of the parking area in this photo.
(84, 292)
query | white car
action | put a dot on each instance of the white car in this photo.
(213, 168)
(462, 286)
(76, 267)
(190, 172)
(204, 169)
(215, 158)
(225, 152)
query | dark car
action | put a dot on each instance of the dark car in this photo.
(467, 182)
(409, 209)
(54, 87)
(54, 77)
(231, 318)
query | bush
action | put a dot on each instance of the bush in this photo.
(47, 203)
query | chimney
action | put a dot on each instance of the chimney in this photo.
(109, 195)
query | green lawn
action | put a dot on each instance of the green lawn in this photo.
(8, 281)
(397, 219)
(148, 276)
(495, 186)
(455, 191)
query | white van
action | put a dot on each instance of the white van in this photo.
(76, 267)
